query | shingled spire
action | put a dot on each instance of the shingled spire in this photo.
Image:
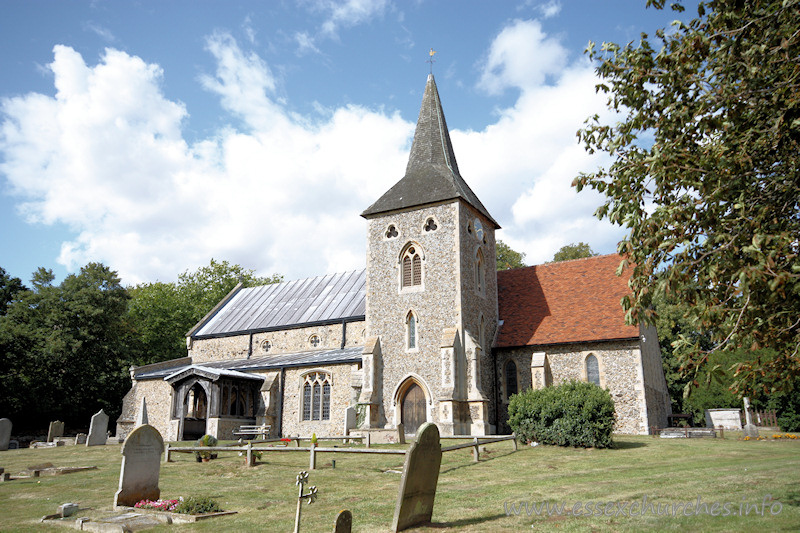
(432, 172)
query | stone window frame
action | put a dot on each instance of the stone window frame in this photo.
(480, 271)
(601, 371)
(387, 233)
(407, 335)
(307, 393)
(428, 220)
(416, 262)
(314, 340)
(267, 345)
(506, 366)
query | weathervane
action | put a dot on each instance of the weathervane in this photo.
(431, 60)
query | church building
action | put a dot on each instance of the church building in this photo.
(428, 331)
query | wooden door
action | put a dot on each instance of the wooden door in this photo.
(413, 409)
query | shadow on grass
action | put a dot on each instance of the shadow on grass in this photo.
(464, 522)
(627, 445)
(484, 459)
(790, 497)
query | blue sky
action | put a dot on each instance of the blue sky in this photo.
(153, 136)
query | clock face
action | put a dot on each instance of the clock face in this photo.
(478, 229)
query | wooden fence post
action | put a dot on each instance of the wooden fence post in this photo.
(249, 457)
(475, 451)
(166, 452)
(312, 461)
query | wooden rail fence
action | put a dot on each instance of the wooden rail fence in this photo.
(248, 449)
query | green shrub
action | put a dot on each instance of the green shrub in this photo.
(206, 440)
(198, 505)
(571, 414)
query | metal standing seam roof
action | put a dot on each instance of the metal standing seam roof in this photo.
(234, 367)
(322, 299)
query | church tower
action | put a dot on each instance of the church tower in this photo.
(431, 293)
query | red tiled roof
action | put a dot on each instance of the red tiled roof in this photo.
(568, 301)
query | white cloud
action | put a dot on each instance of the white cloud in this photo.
(521, 56)
(338, 14)
(523, 165)
(279, 192)
(550, 9)
(106, 156)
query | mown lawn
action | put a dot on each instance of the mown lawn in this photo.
(471, 496)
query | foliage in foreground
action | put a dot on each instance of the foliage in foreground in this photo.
(570, 414)
(712, 204)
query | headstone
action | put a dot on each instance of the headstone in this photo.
(80, 438)
(56, 430)
(344, 522)
(67, 509)
(725, 418)
(5, 433)
(141, 417)
(97, 429)
(420, 476)
(141, 462)
(750, 429)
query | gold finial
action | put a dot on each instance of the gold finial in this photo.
(431, 60)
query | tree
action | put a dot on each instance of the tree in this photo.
(706, 149)
(9, 288)
(66, 348)
(573, 251)
(508, 258)
(162, 313)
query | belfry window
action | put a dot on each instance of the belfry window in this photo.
(411, 275)
(317, 396)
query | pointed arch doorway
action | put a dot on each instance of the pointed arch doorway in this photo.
(413, 412)
(195, 413)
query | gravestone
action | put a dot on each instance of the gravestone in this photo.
(56, 430)
(420, 476)
(141, 462)
(344, 522)
(97, 429)
(5, 433)
(141, 417)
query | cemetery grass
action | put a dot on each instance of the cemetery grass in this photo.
(470, 497)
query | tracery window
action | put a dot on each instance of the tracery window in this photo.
(430, 225)
(411, 275)
(317, 396)
(314, 341)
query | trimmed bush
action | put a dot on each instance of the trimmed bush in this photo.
(571, 414)
(198, 505)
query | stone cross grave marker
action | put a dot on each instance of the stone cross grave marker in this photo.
(420, 476)
(5, 433)
(141, 462)
(97, 429)
(750, 429)
(56, 430)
